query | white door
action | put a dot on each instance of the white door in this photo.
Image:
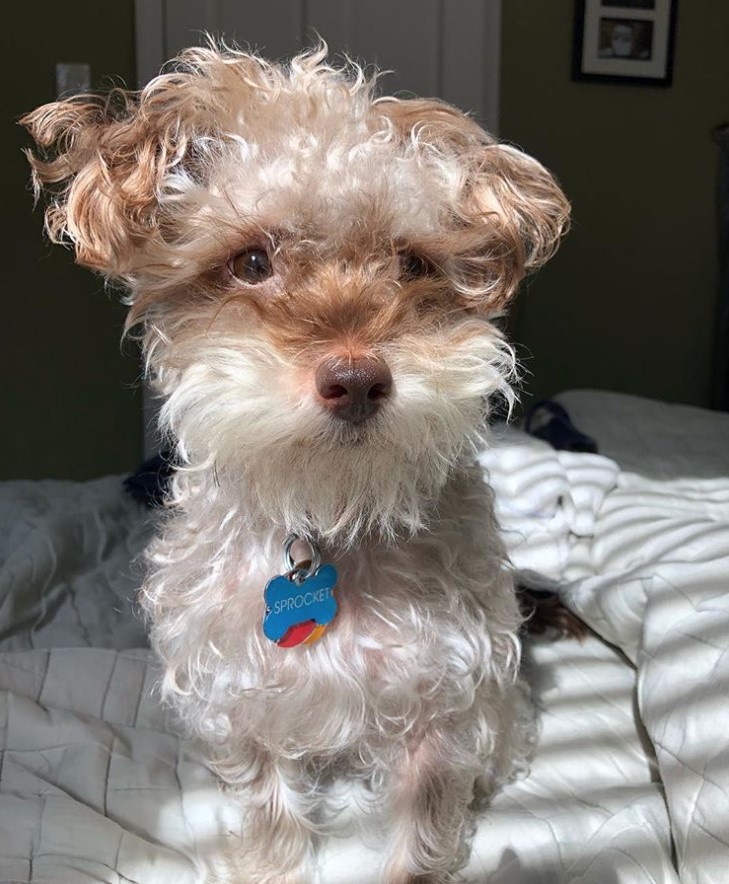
(435, 48)
(444, 48)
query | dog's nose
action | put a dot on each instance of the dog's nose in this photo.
(353, 388)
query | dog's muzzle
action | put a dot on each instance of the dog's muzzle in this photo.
(353, 388)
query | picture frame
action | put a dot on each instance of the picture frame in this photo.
(625, 41)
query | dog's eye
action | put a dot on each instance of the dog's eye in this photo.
(413, 266)
(251, 266)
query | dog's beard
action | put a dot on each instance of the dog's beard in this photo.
(349, 482)
(238, 409)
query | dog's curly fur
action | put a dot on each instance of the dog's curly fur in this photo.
(394, 229)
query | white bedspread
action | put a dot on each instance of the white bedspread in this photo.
(656, 584)
(630, 782)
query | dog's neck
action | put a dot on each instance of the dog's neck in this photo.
(235, 508)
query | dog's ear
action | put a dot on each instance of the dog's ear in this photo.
(103, 160)
(509, 213)
(523, 213)
(100, 162)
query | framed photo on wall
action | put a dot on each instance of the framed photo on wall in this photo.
(624, 41)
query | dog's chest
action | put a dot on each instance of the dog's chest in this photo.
(404, 640)
(368, 599)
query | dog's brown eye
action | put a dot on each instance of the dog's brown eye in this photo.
(251, 266)
(413, 266)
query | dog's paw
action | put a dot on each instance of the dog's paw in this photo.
(287, 878)
(268, 876)
(239, 868)
(410, 878)
(395, 873)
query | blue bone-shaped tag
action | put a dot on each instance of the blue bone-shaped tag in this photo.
(289, 603)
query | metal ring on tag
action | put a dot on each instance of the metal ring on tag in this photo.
(289, 562)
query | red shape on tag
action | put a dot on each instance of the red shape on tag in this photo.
(295, 635)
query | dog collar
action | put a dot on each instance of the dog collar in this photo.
(300, 603)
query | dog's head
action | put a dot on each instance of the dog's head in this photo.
(314, 270)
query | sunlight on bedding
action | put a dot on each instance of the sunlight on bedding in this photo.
(629, 781)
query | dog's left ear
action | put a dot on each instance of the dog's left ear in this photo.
(510, 212)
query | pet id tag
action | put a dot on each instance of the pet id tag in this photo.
(300, 604)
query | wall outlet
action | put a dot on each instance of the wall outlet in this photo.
(72, 78)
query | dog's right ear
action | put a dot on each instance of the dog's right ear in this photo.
(100, 162)
(104, 161)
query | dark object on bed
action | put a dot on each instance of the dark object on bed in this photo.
(150, 483)
(720, 380)
(548, 421)
(543, 611)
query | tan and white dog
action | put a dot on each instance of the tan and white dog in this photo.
(315, 272)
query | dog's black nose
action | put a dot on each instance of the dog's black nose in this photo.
(353, 388)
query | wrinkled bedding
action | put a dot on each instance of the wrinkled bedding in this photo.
(630, 781)
(70, 565)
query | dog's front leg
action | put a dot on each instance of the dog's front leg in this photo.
(431, 788)
(278, 831)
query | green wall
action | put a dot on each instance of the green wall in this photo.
(628, 303)
(67, 393)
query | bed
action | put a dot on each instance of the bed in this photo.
(630, 780)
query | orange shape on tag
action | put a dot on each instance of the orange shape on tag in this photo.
(316, 634)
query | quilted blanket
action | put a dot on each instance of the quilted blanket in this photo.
(630, 779)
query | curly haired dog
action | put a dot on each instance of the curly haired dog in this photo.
(315, 272)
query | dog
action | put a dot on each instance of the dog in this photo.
(316, 274)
